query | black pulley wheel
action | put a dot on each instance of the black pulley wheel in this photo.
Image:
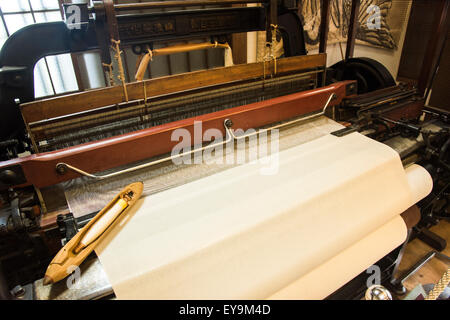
(370, 74)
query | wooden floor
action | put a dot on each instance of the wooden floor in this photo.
(433, 270)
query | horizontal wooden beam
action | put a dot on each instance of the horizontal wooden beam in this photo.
(79, 102)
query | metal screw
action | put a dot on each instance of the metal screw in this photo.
(61, 169)
(228, 123)
(18, 291)
(378, 292)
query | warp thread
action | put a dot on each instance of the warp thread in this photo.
(110, 73)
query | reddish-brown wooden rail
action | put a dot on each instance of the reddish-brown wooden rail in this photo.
(40, 169)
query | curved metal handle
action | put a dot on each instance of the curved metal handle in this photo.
(284, 124)
(62, 167)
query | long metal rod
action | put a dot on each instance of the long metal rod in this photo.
(284, 124)
(187, 3)
(63, 167)
(28, 12)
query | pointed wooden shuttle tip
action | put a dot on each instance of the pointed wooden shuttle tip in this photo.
(47, 280)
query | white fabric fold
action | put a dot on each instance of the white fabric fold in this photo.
(239, 234)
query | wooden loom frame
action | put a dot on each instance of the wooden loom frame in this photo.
(40, 169)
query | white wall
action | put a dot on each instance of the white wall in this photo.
(389, 58)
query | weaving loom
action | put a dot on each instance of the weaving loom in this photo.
(87, 146)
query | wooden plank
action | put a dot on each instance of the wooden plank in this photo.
(79, 102)
(352, 28)
(239, 46)
(324, 25)
(434, 46)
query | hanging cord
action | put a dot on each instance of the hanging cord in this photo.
(265, 59)
(274, 40)
(150, 57)
(110, 73)
(118, 52)
(270, 54)
(440, 286)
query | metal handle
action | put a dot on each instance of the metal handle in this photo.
(284, 124)
(62, 167)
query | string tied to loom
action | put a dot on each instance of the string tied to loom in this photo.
(274, 32)
(118, 53)
(271, 55)
(110, 72)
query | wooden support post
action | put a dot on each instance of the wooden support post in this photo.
(272, 14)
(239, 44)
(435, 44)
(352, 28)
(324, 24)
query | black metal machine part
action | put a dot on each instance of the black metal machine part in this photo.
(435, 157)
(25, 249)
(356, 288)
(291, 28)
(370, 74)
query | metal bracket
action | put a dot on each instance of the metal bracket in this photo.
(345, 131)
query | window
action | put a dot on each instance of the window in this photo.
(54, 74)
(80, 71)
